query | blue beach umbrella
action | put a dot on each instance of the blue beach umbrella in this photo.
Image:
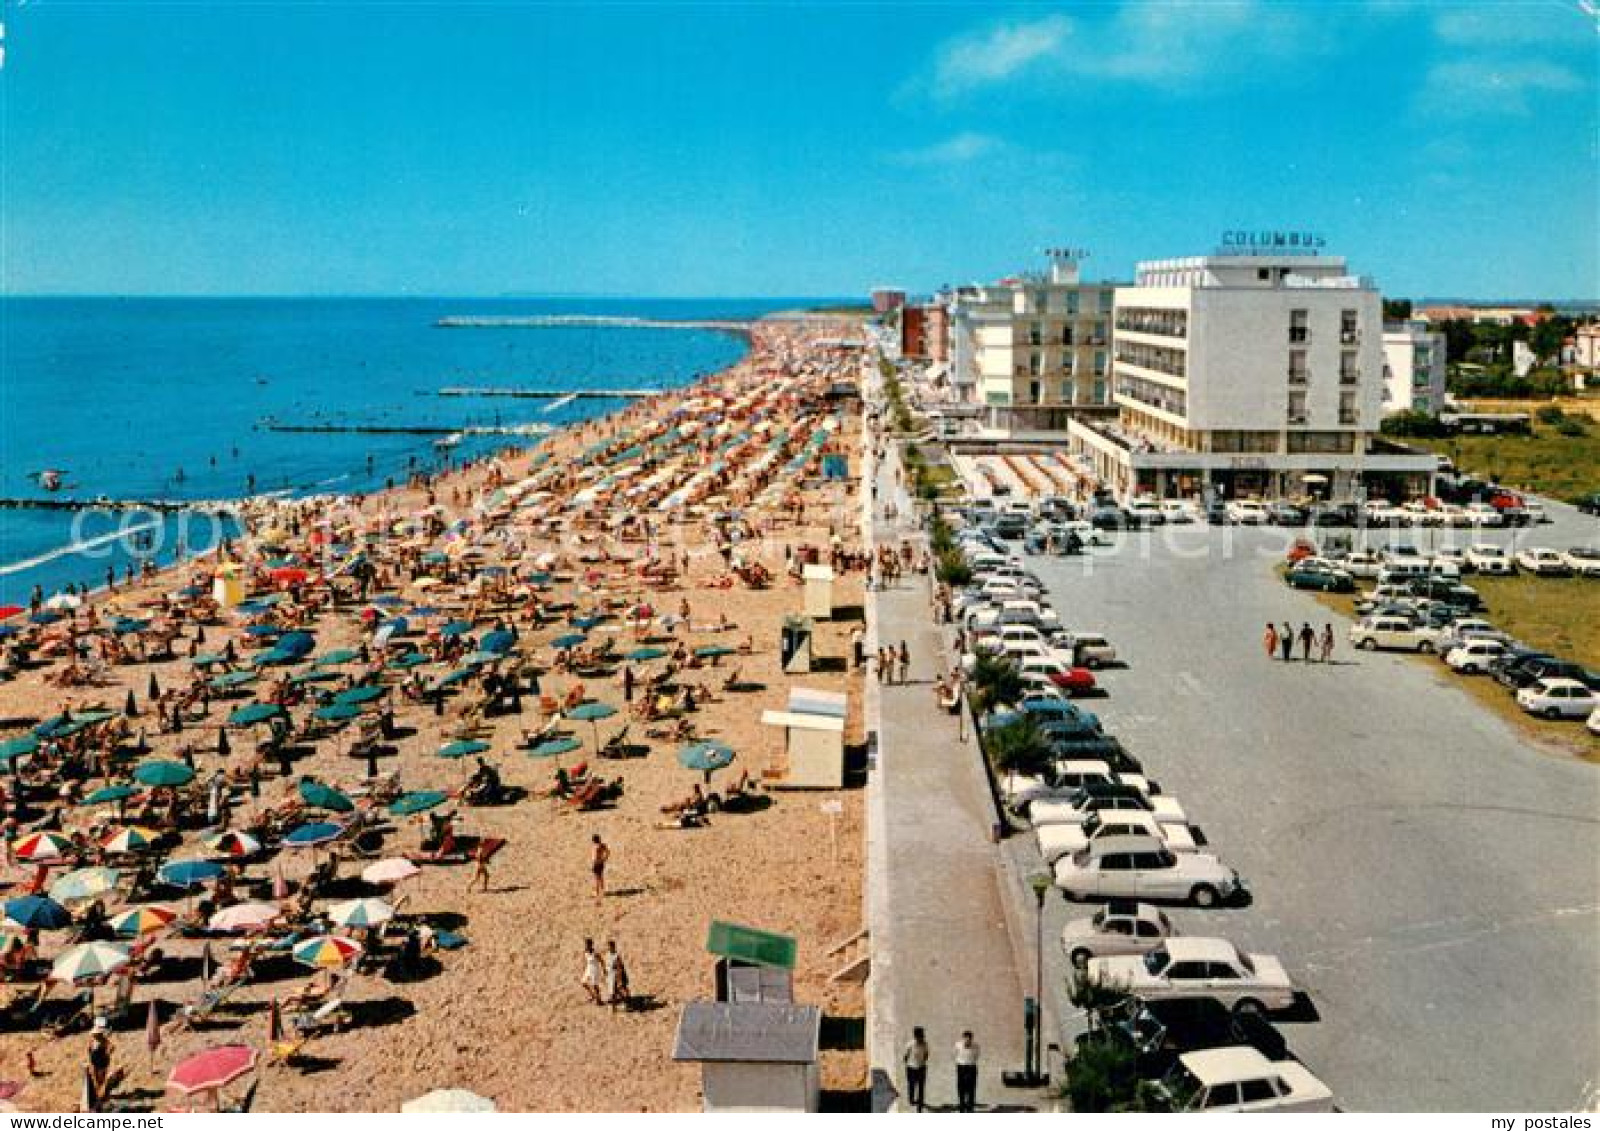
(35, 912)
(336, 657)
(309, 836)
(456, 628)
(321, 796)
(462, 748)
(262, 629)
(419, 802)
(706, 756)
(13, 748)
(568, 640)
(555, 746)
(408, 660)
(164, 775)
(592, 713)
(189, 873)
(649, 652)
(252, 713)
(387, 601)
(356, 696)
(500, 641)
(228, 680)
(107, 794)
(337, 712)
(297, 644)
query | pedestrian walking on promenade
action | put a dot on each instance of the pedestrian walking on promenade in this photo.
(1286, 641)
(1308, 639)
(1327, 643)
(905, 662)
(967, 1073)
(916, 1061)
(858, 647)
(1270, 641)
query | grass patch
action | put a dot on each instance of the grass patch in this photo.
(1546, 463)
(1560, 615)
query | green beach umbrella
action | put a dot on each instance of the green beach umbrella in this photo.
(462, 748)
(706, 756)
(107, 794)
(568, 640)
(337, 713)
(253, 713)
(712, 651)
(165, 775)
(13, 748)
(233, 679)
(419, 802)
(336, 657)
(592, 713)
(408, 660)
(648, 652)
(84, 883)
(555, 746)
(315, 677)
(321, 796)
(363, 694)
(208, 659)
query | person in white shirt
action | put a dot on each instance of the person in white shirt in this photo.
(967, 1073)
(916, 1061)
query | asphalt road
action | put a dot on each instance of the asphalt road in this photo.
(1431, 879)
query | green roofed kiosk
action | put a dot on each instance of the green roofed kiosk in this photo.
(752, 965)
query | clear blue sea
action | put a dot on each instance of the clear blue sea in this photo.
(163, 398)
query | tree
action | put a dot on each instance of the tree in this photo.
(1458, 338)
(1545, 340)
(1396, 309)
(996, 681)
(1018, 747)
(1103, 1074)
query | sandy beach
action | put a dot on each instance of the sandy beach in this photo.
(594, 520)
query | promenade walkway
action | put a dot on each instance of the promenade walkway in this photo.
(942, 954)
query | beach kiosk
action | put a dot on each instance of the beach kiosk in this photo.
(795, 645)
(752, 964)
(754, 1056)
(227, 585)
(813, 742)
(819, 591)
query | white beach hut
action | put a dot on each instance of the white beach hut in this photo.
(813, 726)
(754, 1056)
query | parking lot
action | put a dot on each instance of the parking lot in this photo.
(1430, 878)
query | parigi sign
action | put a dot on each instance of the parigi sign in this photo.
(1245, 241)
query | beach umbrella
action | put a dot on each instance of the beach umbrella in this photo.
(457, 676)
(390, 871)
(311, 835)
(480, 657)
(129, 706)
(130, 838)
(40, 848)
(456, 628)
(47, 616)
(321, 796)
(706, 756)
(555, 746)
(123, 626)
(316, 676)
(363, 694)
(189, 873)
(207, 660)
(462, 748)
(337, 713)
(142, 920)
(359, 913)
(649, 652)
(387, 601)
(231, 842)
(253, 713)
(500, 641)
(13, 748)
(272, 657)
(152, 690)
(64, 601)
(247, 917)
(713, 651)
(261, 630)
(592, 713)
(327, 951)
(89, 960)
(224, 750)
(35, 912)
(296, 644)
(418, 802)
(107, 794)
(84, 883)
(424, 611)
(9, 611)
(408, 660)
(568, 640)
(449, 1101)
(336, 657)
(166, 775)
(212, 1069)
(228, 680)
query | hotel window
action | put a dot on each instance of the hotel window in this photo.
(1298, 373)
(1099, 363)
(1348, 333)
(1299, 326)
(1321, 443)
(1297, 407)
(1034, 334)
(1034, 364)
(1107, 300)
(1033, 392)
(1072, 302)
(1099, 392)
(1347, 409)
(1099, 333)
(1066, 335)
(1348, 374)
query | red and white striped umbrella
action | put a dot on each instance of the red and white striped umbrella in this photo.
(40, 848)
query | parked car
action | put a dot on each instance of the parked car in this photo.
(1076, 807)
(1090, 649)
(1191, 967)
(1463, 629)
(1145, 512)
(1247, 512)
(1142, 867)
(1531, 669)
(1320, 578)
(1393, 632)
(1158, 1032)
(1069, 678)
(1557, 699)
(1484, 557)
(1010, 525)
(1240, 1078)
(1108, 518)
(1179, 512)
(1589, 504)
(1475, 656)
(1120, 927)
(1482, 514)
(1364, 564)
(1286, 514)
(1583, 561)
(1593, 725)
(1062, 838)
(1544, 561)
(1442, 589)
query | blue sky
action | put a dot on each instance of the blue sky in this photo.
(704, 149)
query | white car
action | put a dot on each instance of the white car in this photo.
(1087, 532)
(1142, 867)
(1486, 558)
(1241, 1078)
(1365, 564)
(1179, 512)
(1482, 514)
(1583, 561)
(1475, 656)
(1459, 632)
(1120, 927)
(1398, 633)
(1534, 509)
(1089, 649)
(1594, 722)
(1247, 512)
(1544, 561)
(1557, 699)
(1063, 839)
(1055, 808)
(1200, 968)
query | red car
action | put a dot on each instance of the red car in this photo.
(1074, 681)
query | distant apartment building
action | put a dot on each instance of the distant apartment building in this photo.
(1033, 341)
(1248, 374)
(924, 331)
(1413, 369)
(885, 299)
(1586, 346)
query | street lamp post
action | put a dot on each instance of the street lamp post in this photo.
(1033, 1007)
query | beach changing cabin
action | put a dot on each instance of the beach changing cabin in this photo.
(813, 743)
(752, 964)
(754, 1056)
(819, 591)
(795, 645)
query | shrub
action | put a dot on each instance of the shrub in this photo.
(1550, 414)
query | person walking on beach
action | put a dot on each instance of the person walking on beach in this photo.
(616, 976)
(627, 684)
(1327, 643)
(905, 662)
(1286, 641)
(967, 1073)
(1270, 641)
(598, 858)
(1308, 640)
(592, 972)
(480, 864)
(916, 1062)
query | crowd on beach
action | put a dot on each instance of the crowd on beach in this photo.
(228, 783)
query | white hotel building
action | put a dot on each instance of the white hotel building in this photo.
(1248, 375)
